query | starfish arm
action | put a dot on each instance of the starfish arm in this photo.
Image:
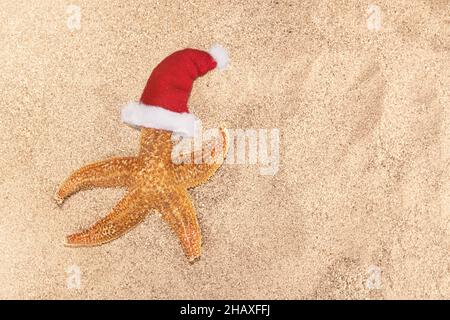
(179, 212)
(115, 172)
(127, 213)
(193, 174)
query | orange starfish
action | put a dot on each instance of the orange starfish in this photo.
(153, 181)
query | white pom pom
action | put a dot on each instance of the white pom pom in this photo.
(220, 55)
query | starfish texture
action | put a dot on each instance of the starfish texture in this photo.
(153, 181)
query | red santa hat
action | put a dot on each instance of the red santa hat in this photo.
(164, 102)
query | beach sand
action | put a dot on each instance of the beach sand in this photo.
(360, 205)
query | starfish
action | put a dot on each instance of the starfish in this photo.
(153, 182)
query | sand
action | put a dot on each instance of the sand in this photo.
(360, 205)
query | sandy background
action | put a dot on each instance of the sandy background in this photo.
(364, 118)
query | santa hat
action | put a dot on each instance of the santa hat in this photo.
(163, 104)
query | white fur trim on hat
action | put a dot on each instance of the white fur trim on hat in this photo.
(220, 55)
(138, 114)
